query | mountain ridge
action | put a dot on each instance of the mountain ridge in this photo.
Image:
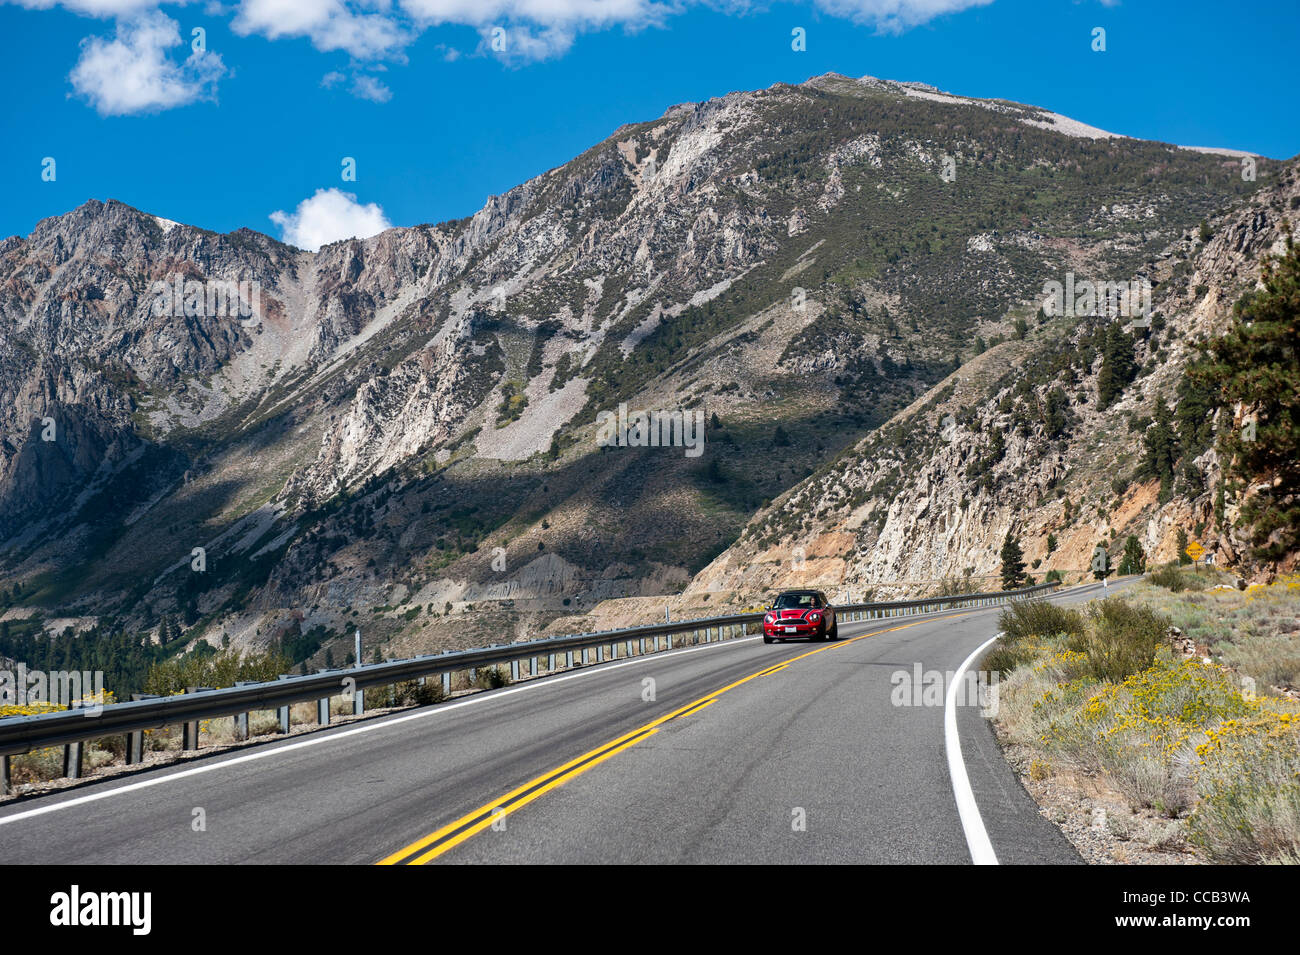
(406, 414)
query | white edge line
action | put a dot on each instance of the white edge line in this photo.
(977, 837)
(316, 740)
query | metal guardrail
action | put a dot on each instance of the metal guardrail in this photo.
(71, 728)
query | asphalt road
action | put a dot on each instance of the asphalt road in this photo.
(713, 754)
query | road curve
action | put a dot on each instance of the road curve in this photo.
(728, 753)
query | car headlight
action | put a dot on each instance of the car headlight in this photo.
(769, 619)
(814, 617)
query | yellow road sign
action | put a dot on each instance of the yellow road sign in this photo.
(1195, 551)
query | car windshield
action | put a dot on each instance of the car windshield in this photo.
(797, 602)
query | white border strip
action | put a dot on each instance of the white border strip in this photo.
(977, 837)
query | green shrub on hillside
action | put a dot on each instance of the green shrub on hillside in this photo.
(214, 669)
(1025, 625)
(1038, 619)
(1122, 638)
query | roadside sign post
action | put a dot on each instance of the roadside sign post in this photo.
(1195, 551)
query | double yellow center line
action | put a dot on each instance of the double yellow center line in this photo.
(454, 833)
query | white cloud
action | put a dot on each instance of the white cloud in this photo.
(895, 16)
(363, 86)
(328, 216)
(132, 73)
(103, 9)
(519, 44)
(366, 30)
(367, 87)
(592, 14)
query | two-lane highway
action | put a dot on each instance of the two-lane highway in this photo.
(731, 752)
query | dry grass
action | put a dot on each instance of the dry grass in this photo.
(1183, 738)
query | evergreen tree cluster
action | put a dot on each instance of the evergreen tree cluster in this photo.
(1118, 365)
(1253, 367)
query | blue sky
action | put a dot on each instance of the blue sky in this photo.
(259, 119)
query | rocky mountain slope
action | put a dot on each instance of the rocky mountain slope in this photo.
(401, 432)
(1021, 440)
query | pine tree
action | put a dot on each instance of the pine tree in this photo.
(1013, 563)
(1180, 541)
(1254, 367)
(1118, 366)
(1134, 560)
(1054, 413)
(1161, 450)
(1195, 413)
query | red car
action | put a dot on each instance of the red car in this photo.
(797, 614)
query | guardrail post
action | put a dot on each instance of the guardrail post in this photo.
(241, 719)
(568, 660)
(446, 684)
(135, 747)
(532, 667)
(135, 741)
(600, 653)
(643, 646)
(72, 760)
(358, 702)
(283, 711)
(514, 671)
(584, 656)
(190, 730)
(550, 663)
(323, 711)
(6, 778)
